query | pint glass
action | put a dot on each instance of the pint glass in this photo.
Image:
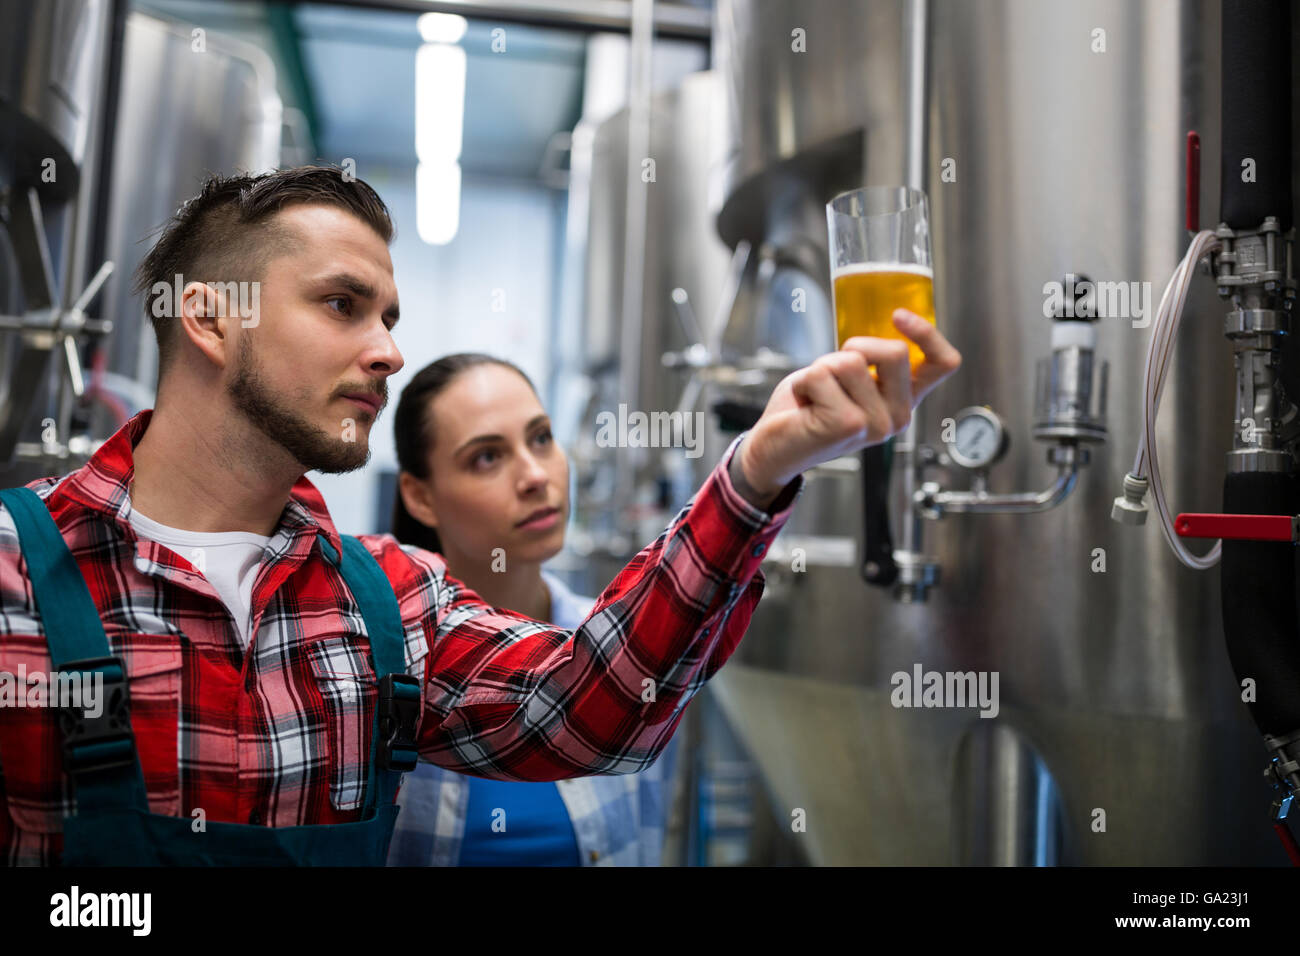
(880, 261)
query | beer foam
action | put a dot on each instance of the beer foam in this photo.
(862, 268)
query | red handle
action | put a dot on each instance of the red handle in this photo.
(1236, 527)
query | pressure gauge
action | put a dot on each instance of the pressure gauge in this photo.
(978, 438)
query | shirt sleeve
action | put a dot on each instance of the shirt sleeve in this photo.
(514, 699)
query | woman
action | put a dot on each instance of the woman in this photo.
(483, 483)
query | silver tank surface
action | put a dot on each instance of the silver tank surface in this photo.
(1119, 738)
(682, 251)
(685, 127)
(183, 115)
(49, 63)
(805, 82)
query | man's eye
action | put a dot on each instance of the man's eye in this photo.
(347, 303)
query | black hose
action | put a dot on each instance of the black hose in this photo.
(1256, 113)
(1259, 603)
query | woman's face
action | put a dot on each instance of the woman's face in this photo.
(497, 477)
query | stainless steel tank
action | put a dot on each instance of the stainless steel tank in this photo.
(53, 61)
(682, 251)
(190, 104)
(1120, 737)
(50, 58)
(184, 114)
(810, 89)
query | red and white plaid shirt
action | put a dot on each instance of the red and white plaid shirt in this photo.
(280, 735)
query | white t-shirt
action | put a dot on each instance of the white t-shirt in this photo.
(228, 559)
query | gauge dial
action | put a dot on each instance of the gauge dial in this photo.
(978, 438)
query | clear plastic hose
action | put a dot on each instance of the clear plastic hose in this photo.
(1160, 352)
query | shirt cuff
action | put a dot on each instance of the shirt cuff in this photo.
(780, 505)
(719, 505)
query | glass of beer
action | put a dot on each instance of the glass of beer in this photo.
(880, 261)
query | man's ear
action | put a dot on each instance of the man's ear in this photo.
(416, 498)
(203, 322)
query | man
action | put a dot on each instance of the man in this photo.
(274, 687)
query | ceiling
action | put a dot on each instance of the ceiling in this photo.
(352, 69)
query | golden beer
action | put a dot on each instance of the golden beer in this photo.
(866, 295)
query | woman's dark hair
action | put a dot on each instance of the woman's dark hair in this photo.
(413, 433)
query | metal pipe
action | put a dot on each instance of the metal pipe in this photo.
(914, 19)
(1027, 502)
(640, 77)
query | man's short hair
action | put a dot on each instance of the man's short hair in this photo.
(228, 232)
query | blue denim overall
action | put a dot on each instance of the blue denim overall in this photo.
(112, 825)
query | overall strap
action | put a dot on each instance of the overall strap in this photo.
(397, 710)
(73, 630)
(98, 753)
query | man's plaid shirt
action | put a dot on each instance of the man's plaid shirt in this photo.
(280, 735)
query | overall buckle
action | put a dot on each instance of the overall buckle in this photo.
(399, 718)
(105, 741)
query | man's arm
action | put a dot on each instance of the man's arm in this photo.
(511, 698)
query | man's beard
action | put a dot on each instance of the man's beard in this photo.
(313, 447)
